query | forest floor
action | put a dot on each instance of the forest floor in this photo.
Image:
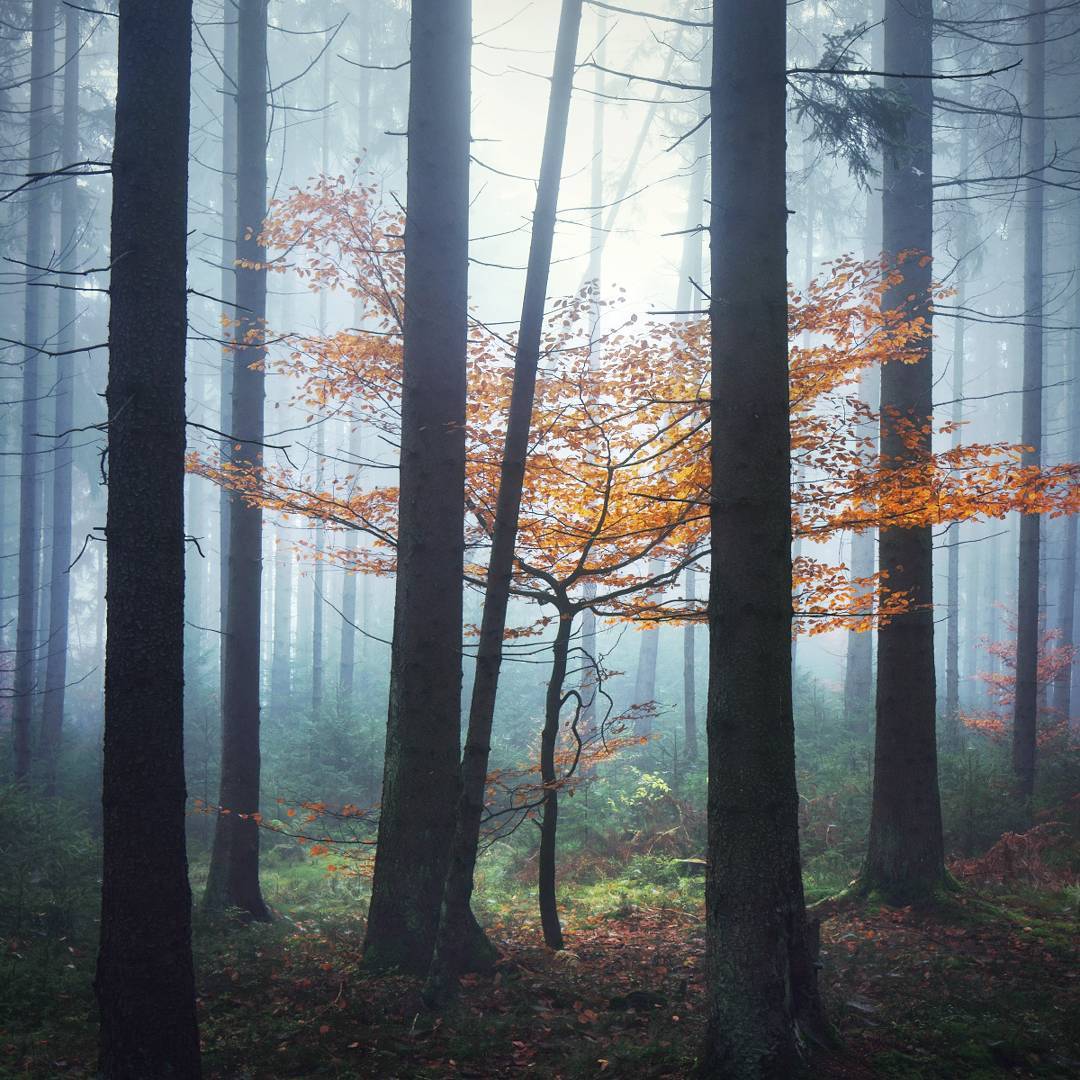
(988, 988)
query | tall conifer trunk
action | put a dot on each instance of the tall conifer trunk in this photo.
(420, 779)
(455, 931)
(233, 879)
(24, 691)
(905, 856)
(63, 413)
(762, 985)
(145, 983)
(230, 12)
(1026, 707)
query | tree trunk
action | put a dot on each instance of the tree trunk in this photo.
(347, 657)
(689, 300)
(280, 661)
(690, 738)
(952, 636)
(1063, 688)
(905, 856)
(648, 654)
(63, 414)
(318, 638)
(1025, 710)
(228, 296)
(762, 985)
(421, 775)
(549, 822)
(233, 879)
(24, 691)
(590, 682)
(318, 575)
(859, 654)
(145, 982)
(450, 956)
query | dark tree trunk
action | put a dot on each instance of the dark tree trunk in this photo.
(648, 655)
(233, 879)
(952, 634)
(905, 857)
(952, 640)
(549, 821)
(228, 296)
(687, 301)
(1026, 708)
(421, 775)
(690, 736)
(145, 983)
(762, 985)
(63, 413)
(1063, 687)
(24, 690)
(349, 593)
(859, 654)
(280, 660)
(318, 576)
(450, 956)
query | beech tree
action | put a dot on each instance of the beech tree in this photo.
(145, 983)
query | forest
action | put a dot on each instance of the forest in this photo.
(539, 539)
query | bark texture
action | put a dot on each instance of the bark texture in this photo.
(905, 856)
(280, 658)
(233, 879)
(762, 987)
(52, 720)
(42, 61)
(1026, 707)
(420, 778)
(145, 983)
(454, 917)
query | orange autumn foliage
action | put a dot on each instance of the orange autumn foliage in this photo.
(1055, 658)
(618, 475)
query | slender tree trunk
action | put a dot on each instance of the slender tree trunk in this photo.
(688, 300)
(762, 985)
(145, 982)
(905, 856)
(233, 879)
(347, 660)
(549, 822)
(280, 661)
(952, 638)
(1063, 686)
(24, 692)
(952, 641)
(349, 591)
(318, 638)
(60, 580)
(648, 655)
(452, 940)
(690, 736)
(228, 296)
(421, 774)
(859, 655)
(590, 682)
(318, 575)
(1025, 711)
